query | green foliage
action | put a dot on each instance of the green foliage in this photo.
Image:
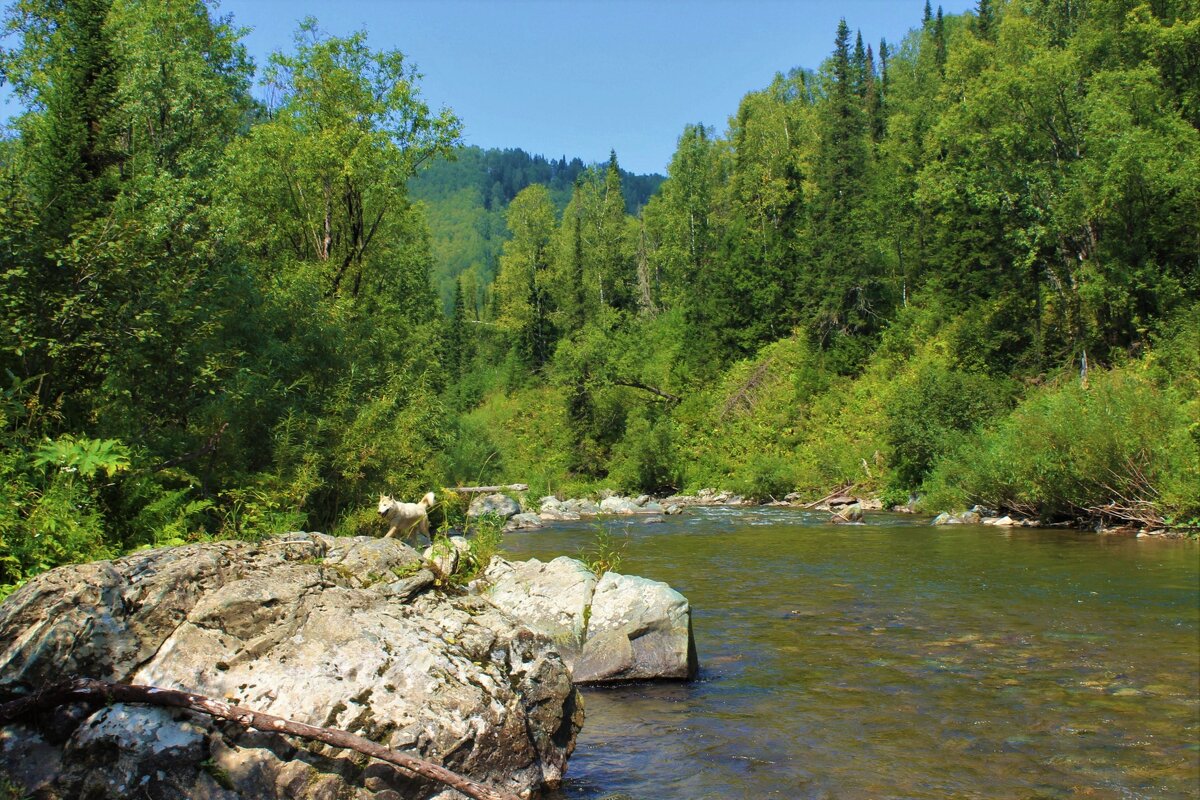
(645, 459)
(86, 457)
(51, 512)
(484, 544)
(1116, 449)
(928, 414)
(605, 551)
(221, 317)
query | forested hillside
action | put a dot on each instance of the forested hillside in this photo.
(963, 267)
(466, 195)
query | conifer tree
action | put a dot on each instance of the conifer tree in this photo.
(873, 100)
(985, 20)
(577, 315)
(616, 272)
(939, 42)
(457, 349)
(859, 68)
(843, 293)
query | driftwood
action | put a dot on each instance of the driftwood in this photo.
(506, 487)
(84, 690)
(836, 492)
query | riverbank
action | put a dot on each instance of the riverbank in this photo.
(843, 504)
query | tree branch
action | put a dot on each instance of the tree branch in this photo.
(85, 690)
(639, 385)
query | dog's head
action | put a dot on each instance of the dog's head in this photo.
(386, 504)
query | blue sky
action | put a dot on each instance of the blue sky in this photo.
(581, 77)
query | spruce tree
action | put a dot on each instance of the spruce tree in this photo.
(939, 42)
(457, 356)
(985, 20)
(859, 68)
(843, 294)
(873, 100)
(616, 272)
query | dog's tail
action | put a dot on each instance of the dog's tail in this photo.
(428, 500)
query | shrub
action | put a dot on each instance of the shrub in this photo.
(765, 475)
(645, 460)
(928, 413)
(1117, 450)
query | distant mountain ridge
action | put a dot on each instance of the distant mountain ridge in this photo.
(466, 200)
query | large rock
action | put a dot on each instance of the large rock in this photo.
(582, 507)
(851, 513)
(501, 505)
(519, 522)
(617, 628)
(551, 598)
(961, 518)
(558, 515)
(447, 553)
(342, 633)
(638, 629)
(619, 505)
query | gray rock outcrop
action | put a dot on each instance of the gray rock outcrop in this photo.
(343, 633)
(447, 553)
(617, 628)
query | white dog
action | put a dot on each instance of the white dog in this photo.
(406, 517)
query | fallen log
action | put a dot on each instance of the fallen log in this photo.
(507, 487)
(85, 690)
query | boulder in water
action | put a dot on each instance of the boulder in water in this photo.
(523, 522)
(615, 628)
(638, 629)
(619, 505)
(847, 514)
(500, 505)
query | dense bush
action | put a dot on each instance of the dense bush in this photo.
(1116, 449)
(928, 413)
(645, 459)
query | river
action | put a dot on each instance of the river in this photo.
(895, 659)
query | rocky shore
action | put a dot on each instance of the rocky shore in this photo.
(843, 508)
(524, 514)
(360, 635)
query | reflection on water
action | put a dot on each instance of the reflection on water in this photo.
(899, 660)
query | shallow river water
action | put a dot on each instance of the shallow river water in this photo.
(895, 659)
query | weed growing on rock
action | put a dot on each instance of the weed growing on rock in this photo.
(605, 552)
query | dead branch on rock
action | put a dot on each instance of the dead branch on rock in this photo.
(85, 690)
